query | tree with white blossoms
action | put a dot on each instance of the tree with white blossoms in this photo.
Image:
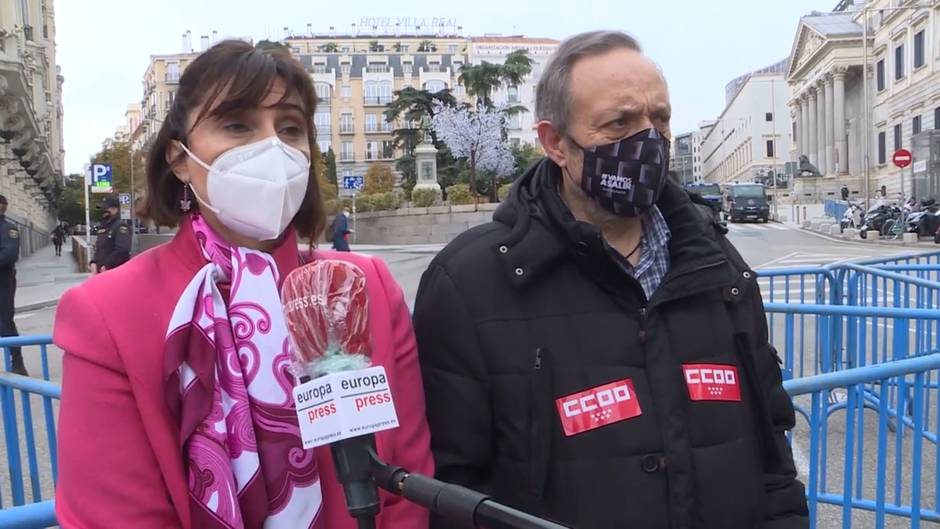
(476, 135)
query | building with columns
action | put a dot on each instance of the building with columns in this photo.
(31, 146)
(827, 99)
(748, 140)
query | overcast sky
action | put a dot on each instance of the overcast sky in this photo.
(104, 45)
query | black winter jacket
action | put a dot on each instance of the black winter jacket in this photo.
(516, 316)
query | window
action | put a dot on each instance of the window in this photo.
(319, 68)
(386, 126)
(346, 123)
(434, 67)
(882, 148)
(345, 68)
(434, 86)
(388, 149)
(512, 94)
(324, 145)
(897, 136)
(404, 48)
(453, 48)
(322, 120)
(323, 92)
(372, 124)
(345, 49)
(919, 49)
(372, 150)
(899, 62)
(172, 72)
(768, 116)
(345, 90)
(792, 133)
(880, 69)
(915, 125)
(24, 13)
(936, 118)
(406, 68)
(770, 148)
(347, 153)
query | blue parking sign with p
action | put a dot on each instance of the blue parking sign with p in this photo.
(101, 178)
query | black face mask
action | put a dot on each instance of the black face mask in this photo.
(626, 177)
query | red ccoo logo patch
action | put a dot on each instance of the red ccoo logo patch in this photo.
(712, 382)
(597, 407)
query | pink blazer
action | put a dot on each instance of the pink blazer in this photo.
(120, 462)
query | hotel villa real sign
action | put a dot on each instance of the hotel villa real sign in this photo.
(408, 24)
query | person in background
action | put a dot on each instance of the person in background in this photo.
(177, 408)
(341, 231)
(58, 238)
(113, 238)
(845, 192)
(9, 254)
(884, 191)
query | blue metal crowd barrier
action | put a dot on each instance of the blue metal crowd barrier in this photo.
(835, 208)
(28, 510)
(860, 359)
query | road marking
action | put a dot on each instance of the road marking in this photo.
(20, 317)
(777, 226)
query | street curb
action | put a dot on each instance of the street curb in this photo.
(37, 306)
(867, 242)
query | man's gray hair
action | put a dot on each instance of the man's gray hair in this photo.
(553, 93)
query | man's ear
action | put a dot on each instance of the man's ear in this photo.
(552, 142)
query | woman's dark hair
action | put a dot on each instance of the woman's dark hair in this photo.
(229, 77)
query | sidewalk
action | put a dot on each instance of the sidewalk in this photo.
(42, 278)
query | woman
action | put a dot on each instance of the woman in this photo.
(176, 408)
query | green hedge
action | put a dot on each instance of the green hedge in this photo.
(422, 198)
(459, 195)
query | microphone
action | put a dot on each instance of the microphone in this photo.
(342, 401)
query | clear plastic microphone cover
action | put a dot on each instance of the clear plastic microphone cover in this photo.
(327, 311)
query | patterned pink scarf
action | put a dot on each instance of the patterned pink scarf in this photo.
(227, 379)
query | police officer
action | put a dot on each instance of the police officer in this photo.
(113, 243)
(9, 253)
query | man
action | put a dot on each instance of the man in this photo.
(113, 241)
(58, 238)
(598, 354)
(9, 254)
(845, 192)
(341, 231)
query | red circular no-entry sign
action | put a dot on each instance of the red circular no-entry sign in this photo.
(902, 158)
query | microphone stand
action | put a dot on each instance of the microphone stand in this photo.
(468, 508)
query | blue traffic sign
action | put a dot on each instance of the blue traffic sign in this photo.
(354, 182)
(125, 199)
(100, 177)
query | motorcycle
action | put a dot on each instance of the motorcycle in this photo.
(881, 218)
(925, 220)
(852, 218)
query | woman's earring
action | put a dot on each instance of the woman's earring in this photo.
(186, 204)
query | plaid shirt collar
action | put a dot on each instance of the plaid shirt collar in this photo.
(654, 259)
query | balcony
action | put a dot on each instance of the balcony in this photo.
(172, 77)
(372, 101)
(347, 157)
(347, 128)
